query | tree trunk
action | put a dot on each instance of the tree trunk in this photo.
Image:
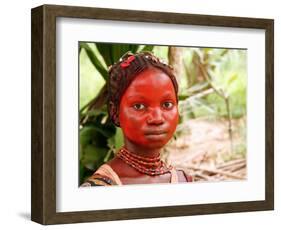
(175, 60)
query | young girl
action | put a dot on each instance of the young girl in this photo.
(143, 102)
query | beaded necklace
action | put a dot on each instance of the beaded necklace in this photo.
(150, 166)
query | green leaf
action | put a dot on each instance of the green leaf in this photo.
(106, 52)
(81, 172)
(183, 97)
(147, 48)
(133, 48)
(113, 52)
(92, 153)
(106, 131)
(116, 141)
(95, 61)
(231, 79)
(109, 155)
(119, 139)
(119, 50)
(86, 135)
(93, 156)
(96, 112)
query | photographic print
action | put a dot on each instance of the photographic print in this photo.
(187, 126)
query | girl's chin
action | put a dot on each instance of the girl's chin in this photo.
(154, 144)
(150, 142)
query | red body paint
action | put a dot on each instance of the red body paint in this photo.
(148, 112)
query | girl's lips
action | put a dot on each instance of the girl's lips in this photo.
(156, 136)
(155, 133)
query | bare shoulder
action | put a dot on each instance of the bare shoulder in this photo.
(183, 177)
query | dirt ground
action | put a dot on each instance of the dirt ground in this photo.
(203, 148)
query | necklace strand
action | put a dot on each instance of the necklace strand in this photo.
(150, 166)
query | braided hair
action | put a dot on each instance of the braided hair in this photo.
(122, 73)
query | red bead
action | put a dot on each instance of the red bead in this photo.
(146, 165)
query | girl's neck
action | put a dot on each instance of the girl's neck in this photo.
(144, 152)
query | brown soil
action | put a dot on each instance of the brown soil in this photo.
(205, 144)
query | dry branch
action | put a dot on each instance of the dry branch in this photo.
(214, 171)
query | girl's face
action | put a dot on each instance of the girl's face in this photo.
(148, 112)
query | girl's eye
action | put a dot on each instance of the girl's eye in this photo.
(139, 106)
(167, 105)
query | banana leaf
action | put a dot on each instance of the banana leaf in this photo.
(95, 61)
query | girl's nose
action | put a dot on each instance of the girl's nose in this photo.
(155, 117)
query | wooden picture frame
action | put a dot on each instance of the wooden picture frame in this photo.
(43, 186)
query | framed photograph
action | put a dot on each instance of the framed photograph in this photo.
(139, 114)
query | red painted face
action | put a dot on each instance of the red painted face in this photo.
(148, 112)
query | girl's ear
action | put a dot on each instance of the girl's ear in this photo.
(114, 114)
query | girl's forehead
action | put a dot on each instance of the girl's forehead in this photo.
(152, 78)
(151, 83)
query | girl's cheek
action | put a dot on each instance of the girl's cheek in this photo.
(173, 115)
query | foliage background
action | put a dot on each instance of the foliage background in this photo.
(212, 96)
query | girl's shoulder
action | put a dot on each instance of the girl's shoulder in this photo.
(98, 180)
(104, 176)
